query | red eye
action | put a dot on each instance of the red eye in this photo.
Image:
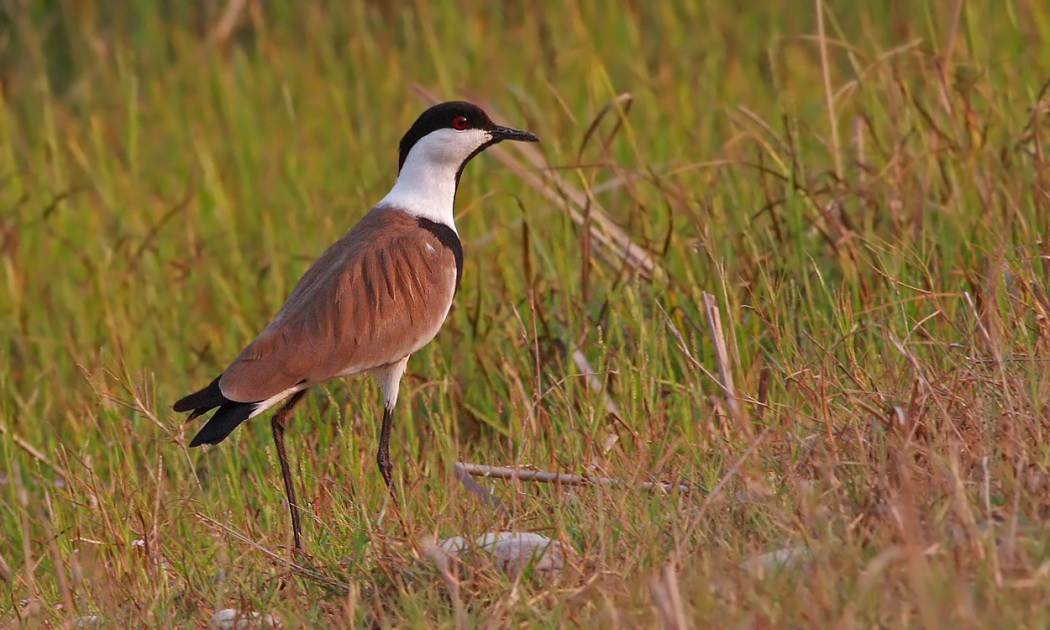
(459, 123)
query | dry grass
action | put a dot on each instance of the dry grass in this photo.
(866, 212)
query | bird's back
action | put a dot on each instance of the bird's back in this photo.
(374, 297)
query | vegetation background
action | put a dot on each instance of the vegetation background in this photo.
(859, 191)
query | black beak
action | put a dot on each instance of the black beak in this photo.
(506, 133)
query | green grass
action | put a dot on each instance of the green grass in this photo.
(882, 273)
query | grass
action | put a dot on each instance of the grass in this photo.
(869, 210)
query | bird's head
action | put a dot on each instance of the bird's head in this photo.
(446, 136)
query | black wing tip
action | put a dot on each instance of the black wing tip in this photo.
(208, 437)
(182, 405)
(222, 423)
(226, 419)
(203, 399)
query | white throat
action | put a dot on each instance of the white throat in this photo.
(426, 185)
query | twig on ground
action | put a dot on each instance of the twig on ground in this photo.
(474, 487)
(725, 370)
(524, 474)
(828, 100)
(231, 16)
(34, 453)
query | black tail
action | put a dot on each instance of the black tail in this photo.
(225, 420)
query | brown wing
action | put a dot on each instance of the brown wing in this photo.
(375, 296)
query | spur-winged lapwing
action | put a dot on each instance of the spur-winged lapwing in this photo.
(377, 295)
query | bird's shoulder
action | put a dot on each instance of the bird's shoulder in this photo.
(389, 254)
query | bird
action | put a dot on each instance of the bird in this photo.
(369, 301)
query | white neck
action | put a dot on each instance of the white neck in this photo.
(424, 191)
(426, 185)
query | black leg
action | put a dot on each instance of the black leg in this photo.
(278, 423)
(386, 467)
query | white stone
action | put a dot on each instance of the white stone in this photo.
(512, 552)
(232, 619)
(777, 560)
